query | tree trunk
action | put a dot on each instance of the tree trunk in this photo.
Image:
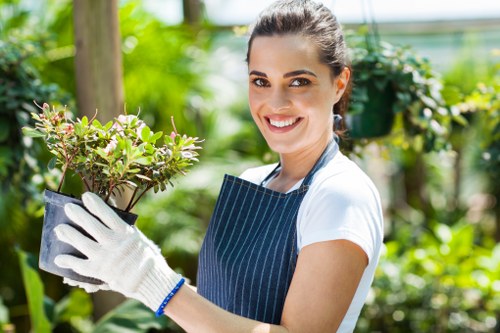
(99, 81)
(192, 10)
(99, 77)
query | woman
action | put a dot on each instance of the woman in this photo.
(291, 247)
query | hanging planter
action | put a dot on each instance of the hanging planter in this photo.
(109, 158)
(391, 80)
(376, 116)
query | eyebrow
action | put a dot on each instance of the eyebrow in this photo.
(286, 75)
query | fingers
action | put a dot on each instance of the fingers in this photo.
(88, 287)
(78, 265)
(67, 234)
(89, 223)
(99, 208)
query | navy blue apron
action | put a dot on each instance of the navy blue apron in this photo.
(249, 253)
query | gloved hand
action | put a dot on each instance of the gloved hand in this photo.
(121, 256)
(88, 287)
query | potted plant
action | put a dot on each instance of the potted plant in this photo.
(391, 80)
(109, 158)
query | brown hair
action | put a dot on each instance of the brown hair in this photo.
(315, 21)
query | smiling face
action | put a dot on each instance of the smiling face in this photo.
(291, 93)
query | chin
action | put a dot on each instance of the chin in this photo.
(281, 147)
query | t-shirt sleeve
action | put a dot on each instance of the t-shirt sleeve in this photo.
(343, 210)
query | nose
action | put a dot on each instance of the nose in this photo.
(279, 100)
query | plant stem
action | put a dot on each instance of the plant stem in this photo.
(92, 119)
(65, 168)
(111, 188)
(140, 196)
(87, 187)
(131, 199)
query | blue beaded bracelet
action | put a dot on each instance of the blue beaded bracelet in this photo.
(167, 299)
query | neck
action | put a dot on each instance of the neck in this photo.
(295, 166)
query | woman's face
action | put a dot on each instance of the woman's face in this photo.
(291, 93)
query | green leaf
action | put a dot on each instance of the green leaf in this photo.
(144, 177)
(156, 136)
(130, 183)
(4, 313)
(145, 134)
(52, 163)
(102, 153)
(144, 160)
(34, 292)
(33, 133)
(131, 316)
(97, 124)
(108, 125)
(149, 148)
(77, 304)
(85, 121)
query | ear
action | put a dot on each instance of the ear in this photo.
(341, 83)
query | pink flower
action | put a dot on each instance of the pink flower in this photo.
(110, 148)
(139, 129)
(69, 129)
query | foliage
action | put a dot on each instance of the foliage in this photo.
(132, 316)
(20, 159)
(400, 72)
(35, 293)
(121, 153)
(19, 85)
(485, 101)
(75, 309)
(441, 282)
(173, 60)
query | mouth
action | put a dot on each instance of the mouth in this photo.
(283, 125)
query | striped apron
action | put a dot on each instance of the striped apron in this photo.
(249, 253)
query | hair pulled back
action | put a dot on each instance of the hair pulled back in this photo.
(311, 20)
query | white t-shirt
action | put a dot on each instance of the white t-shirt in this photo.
(341, 203)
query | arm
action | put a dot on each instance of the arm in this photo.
(322, 288)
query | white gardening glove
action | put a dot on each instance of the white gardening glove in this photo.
(88, 287)
(121, 256)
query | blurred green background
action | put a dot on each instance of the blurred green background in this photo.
(437, 170)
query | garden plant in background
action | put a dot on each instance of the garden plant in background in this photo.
(392, 80)
(109, 158)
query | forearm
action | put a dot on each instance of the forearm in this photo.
(196, 314)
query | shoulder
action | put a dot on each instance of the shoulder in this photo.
(256, 175)
(341, 203)
(344, 180)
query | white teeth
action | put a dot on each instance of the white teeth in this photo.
(283, 123)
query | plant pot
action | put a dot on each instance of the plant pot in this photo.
(377, 117)
(51, 246)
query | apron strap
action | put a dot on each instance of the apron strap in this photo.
(327, 155)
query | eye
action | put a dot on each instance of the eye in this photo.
(299, 82)
(260, 82)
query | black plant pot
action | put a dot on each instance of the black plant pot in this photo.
(51, 246)
(377, 118)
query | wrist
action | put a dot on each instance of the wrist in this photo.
(157, 285)
(167, 299)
